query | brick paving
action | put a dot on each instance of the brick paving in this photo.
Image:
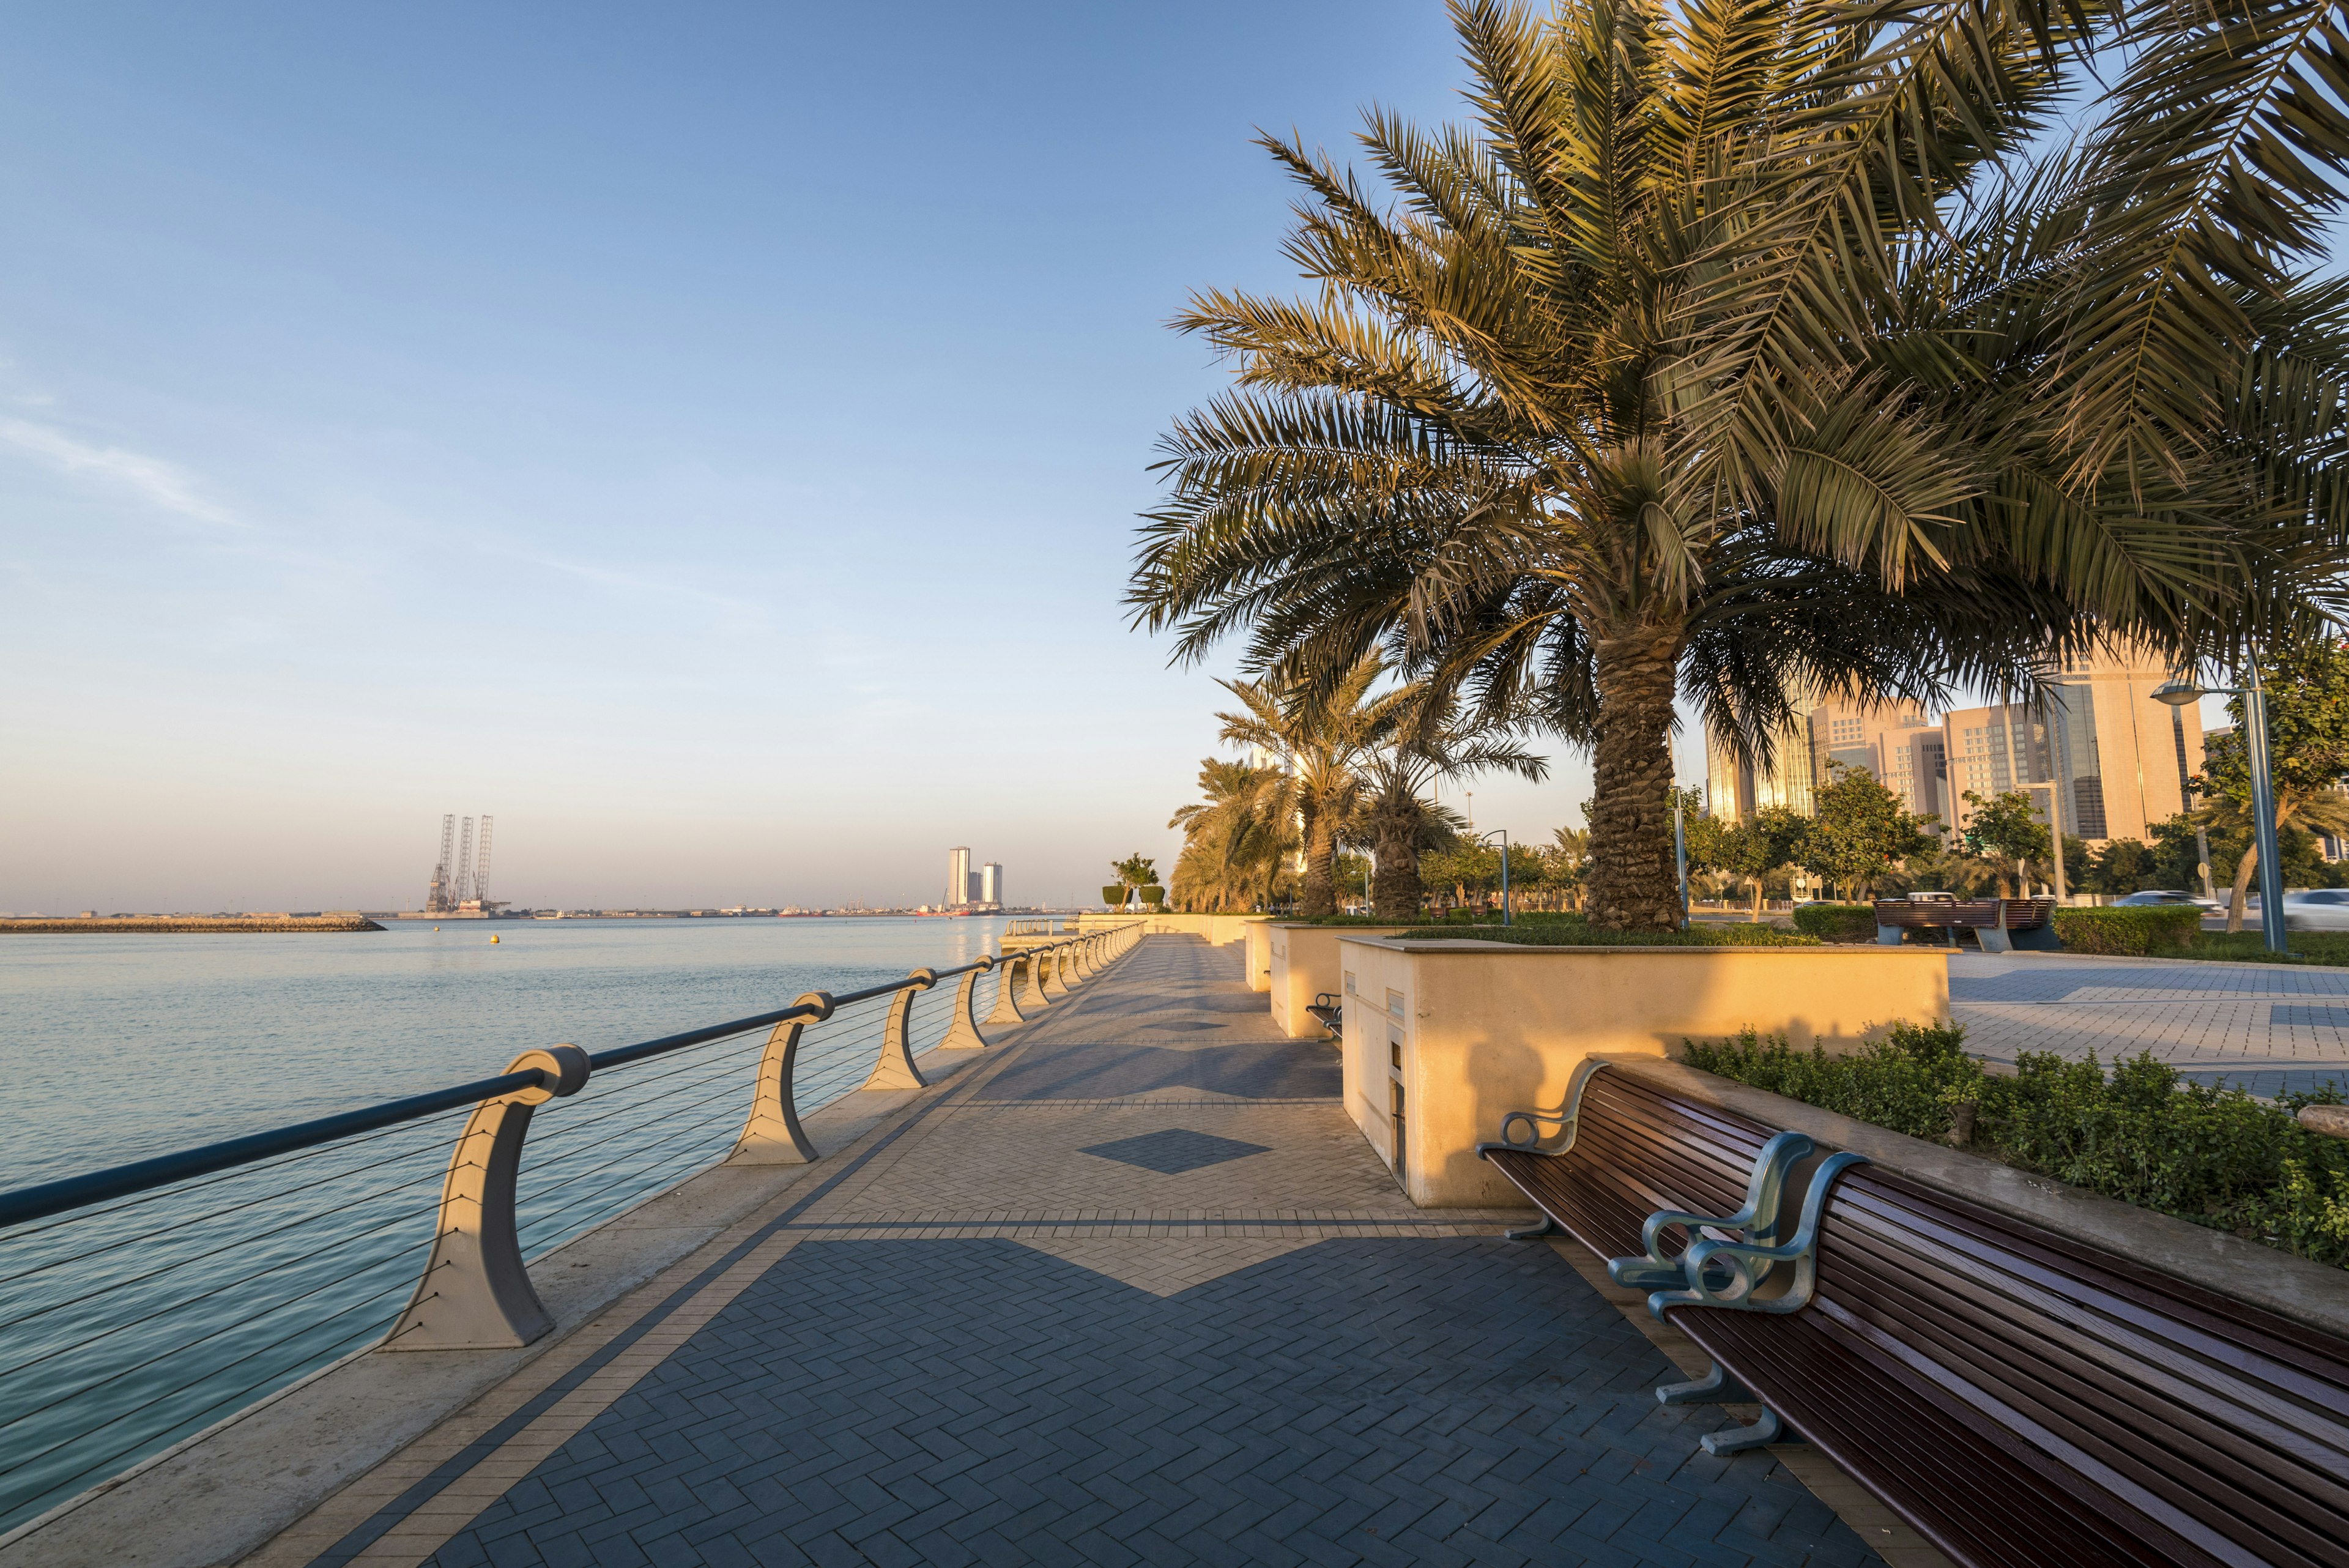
(1119, 1294)
(2269, 1028)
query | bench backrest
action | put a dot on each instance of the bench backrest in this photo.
(2022, 914)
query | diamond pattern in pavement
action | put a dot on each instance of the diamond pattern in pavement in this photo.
(1170, 1151)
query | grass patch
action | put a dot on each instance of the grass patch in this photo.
(1575, 931)
(2215, 1157)
(2248, 947)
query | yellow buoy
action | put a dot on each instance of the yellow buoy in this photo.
(436, 928)
(494, 939)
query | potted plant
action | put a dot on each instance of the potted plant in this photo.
(1114, 895)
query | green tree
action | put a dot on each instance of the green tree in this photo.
(1321, 736)
(1422, 740)
(1752, 850)
(2121, 866)
(2308, 745)
(1567, 856)
(1860, 830)
(2177, 858)
(2005, 829)
(1743, 346)
(1137, 870)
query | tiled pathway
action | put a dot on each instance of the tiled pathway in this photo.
(2267, 1027)
(1133, 1291)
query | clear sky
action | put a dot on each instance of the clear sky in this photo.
(707, 438)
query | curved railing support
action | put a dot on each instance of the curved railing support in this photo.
(895, 1069)
(772, 1135)
(1086, 968)
(963, 1034)
(1055, 987)
(1007, 991)
(1032, 997)
(475, 1293)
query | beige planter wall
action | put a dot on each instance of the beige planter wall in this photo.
(1259, 955)
(1304, 965)
(1220, 930)
(1472, 1031)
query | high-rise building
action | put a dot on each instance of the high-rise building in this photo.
(958, 877)
(1898, 744)
(1735, 791)
(2118, 759)
(991, 883)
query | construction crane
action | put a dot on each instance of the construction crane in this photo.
(441, 899)
(481, 866)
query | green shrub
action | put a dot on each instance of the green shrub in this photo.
(2159, 930)
(1573, 931)
(1836, 922)
(2249, 946)
(2215, 1157)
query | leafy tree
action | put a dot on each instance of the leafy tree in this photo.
(1322, 737)
(1765, 843)
(1736, 349)
(2121, 866)
(1137, 870)
(2308, 731)
(2006, 830)
(1860, 830)
(2177, 858)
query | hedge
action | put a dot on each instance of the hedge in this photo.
(1573, 931)
(2215, 1157)
(2161, 928)
(1836, 922)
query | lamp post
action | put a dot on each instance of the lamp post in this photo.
(1503, 835)
(1680, 851)
(2180, 689)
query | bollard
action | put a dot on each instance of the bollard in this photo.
(895, 1068)
(964, 1034)
(772, 1135)
(475, 1293)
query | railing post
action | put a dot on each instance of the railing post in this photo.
(1006, 989)
(1031, 981)
(1085, 965)
(895, 1069)
(1054, 986)
(772, 1135)
(964, 1034)
(475, 1293)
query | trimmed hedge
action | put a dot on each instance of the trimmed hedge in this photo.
(2215, 1157)
(1573, 931)
(2161, 928)
(1836, 922)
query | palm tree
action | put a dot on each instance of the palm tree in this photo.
(1321, 737)
(1746, 346)
(1424, 739)
(1234, 841)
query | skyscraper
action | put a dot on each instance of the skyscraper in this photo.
(991, 883)
(958, 874)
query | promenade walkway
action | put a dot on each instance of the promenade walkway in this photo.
(1132, 1290)
(2269, 1028)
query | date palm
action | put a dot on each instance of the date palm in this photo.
(1424, 739)
(1738, 348)
(1321, 737)
(1236, 840)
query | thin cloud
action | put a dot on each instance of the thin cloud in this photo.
(163, 483)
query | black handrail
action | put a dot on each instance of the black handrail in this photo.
(47, 1198)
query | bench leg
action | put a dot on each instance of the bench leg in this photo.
(1993, 939)
(1715, 1388)
(1549, 1227)
(1737, 1440)
(1887, 936)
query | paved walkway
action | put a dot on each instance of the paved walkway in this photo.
(2268, 1027)
(1132, 1291)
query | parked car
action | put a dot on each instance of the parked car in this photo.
(2318, 909)
(2166, 896)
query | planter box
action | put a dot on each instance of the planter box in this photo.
(1218, 931)
(1259, 955)
(1304, 965)
(2305, 1292)
(1443, 1038)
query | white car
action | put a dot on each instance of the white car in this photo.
(2318, 909)
(2159, 897)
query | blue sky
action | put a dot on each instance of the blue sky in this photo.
(707, 438)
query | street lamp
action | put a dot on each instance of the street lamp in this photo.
(1503, 835)
(2180, 690)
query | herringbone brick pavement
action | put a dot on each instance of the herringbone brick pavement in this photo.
(990, 1338)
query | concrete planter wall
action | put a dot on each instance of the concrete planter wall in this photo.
(2292, 1287)
(1259, 955)
(1451, 1035)
(1304, 965)
(1217, 930)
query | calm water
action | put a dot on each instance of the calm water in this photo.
(128, 1328)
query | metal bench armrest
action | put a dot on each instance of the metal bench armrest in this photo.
(1563, 1119)
(1717, 1274)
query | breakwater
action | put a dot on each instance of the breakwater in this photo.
(68, 925)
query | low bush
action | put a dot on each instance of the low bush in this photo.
(1836, 922)
(2215, 1157)
(2159, 930)
(1573, 931)
(2249, 946)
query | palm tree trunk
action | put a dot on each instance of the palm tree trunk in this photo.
(1633, 885)
(1394, 882)
(1319, 897)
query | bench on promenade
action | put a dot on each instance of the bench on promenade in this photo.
(1329, 1010)
(1999, 924)
(2020, 1396)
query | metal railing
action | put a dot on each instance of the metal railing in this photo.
(141, 1304)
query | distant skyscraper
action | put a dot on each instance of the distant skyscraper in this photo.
(958, 877)
(990, 882)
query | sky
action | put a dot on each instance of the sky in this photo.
(707, 438)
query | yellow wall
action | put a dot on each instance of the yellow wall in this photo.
(1218, 930)
(1259, 955)
(1483, 1029)
(1304, 965)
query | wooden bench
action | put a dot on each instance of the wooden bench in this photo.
(2020, 1397)
(1998, 923)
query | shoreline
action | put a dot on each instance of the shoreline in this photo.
(192, 924)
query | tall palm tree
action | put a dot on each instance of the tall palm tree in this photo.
(1322, 738)
(1236, 840)
(1424, 739)
(1738, 348)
